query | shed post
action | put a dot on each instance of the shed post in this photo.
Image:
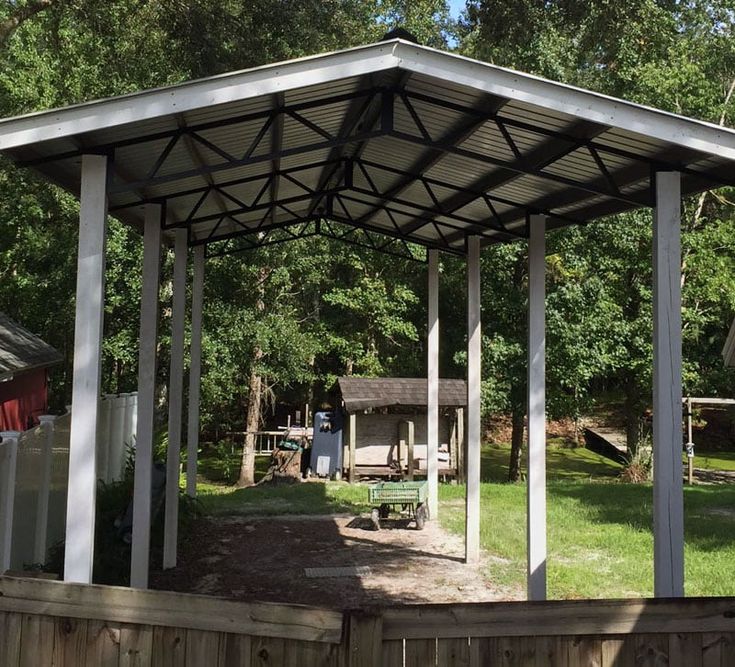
(474, 350)
(147, 362)
(39, 542)
(352, 446)
(410, 441)
(195, 371)
(668, 492)
(536, 486)
(432, 401)
(461, 446)
(90, 300)
(175, 401)
(8, 459)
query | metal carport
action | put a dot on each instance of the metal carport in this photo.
(388, 146)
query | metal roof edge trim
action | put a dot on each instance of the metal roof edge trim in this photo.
(188, 96)
(586, 104)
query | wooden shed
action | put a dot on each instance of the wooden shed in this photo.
(387, 426)
(24, 363)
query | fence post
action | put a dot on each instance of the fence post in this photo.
(117, 433)
(364, 640)
(103, 439)
(39, 544)
(8, 456)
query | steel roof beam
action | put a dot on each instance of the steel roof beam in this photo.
(627, 176)
(550, 151)
(324, 229)
(377, 113)
(457, 133)
(276, 148)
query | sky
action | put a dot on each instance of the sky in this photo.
(456, 7)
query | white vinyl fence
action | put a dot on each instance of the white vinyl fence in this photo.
(34, 468)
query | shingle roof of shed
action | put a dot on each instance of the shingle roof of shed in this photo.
(20, 350)
(363, 393)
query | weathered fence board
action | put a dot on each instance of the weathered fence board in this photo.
(124, 605)
(44, 623)
(577, 617)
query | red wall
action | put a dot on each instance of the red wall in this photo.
(22, 400)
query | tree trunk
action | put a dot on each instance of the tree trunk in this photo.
(255, 396)
(252, 424)
(632, 416)
(9, 25)
(516, 444)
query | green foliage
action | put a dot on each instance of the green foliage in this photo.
(111, 552)
(303, 313)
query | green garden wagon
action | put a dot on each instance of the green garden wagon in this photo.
(407, 495)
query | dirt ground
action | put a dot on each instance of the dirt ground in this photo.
(264, 559)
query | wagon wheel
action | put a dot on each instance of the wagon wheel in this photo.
(375, 518)
(422, 514)
(384, 511)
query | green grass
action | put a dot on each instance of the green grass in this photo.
(307, 498)
(570, 464)
(714, 460)
(600, 540)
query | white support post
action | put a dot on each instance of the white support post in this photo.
(432, 402)
(668, 493)
(175, 401)
(39, 544)
(90, 301)
(8, 459)
(474, 351)
(147, 363)
(536, 480)
(195, 371)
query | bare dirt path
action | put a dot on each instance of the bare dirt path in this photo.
(265, 559)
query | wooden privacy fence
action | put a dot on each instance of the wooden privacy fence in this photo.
(52, 623)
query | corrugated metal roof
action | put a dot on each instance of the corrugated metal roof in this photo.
(21, 351)
(392, 138)
(363, 393)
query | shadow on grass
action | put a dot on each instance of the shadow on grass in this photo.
(709, 511)
(568, 464)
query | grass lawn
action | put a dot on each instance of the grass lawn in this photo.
(600, 538)
(713, 460)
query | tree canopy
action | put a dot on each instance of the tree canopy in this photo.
(301, 314)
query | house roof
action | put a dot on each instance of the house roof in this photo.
(363, 393)
(22, 351)
(380, 145)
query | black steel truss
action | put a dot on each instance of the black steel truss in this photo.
(345, 178)
(324, 227)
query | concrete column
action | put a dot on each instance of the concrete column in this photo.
(432, 403)
(175, 401)
(195, 371)
(668, 494)
(472, 534)
(90, 300)
(536, 486)
(147, 364)
(39, 544)
(8, 460)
